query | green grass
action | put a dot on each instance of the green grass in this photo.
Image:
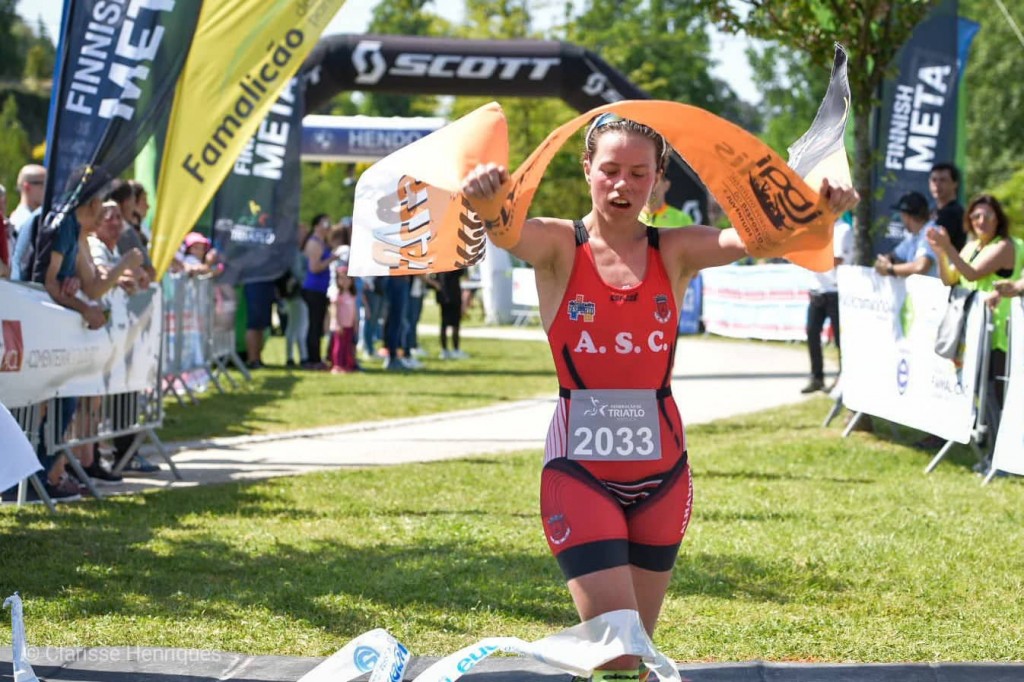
(280, 399)
(803, 546)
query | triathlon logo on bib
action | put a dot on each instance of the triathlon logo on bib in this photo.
(578, 308)
(662, 311)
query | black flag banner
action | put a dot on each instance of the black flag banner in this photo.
(256, 210)
(117, 66)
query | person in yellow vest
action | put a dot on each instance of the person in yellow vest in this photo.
(989, 255)
(658, 213)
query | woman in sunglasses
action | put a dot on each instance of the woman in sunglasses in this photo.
(615, 489)
(989, 255)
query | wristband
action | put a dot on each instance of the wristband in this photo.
(892, 270)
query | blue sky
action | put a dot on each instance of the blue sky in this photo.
(355, 15)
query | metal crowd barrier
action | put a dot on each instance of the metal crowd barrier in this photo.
(199, 334)
(198, 339)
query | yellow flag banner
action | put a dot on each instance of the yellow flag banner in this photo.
(241, 59)
(410, 216)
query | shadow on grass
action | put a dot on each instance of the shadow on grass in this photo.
(230, 413)
(153, 557)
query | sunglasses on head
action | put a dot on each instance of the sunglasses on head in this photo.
(611, 117)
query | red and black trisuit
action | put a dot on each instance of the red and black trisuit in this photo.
(603, 510)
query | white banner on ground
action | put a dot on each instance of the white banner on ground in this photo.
(19, 651)
(46, 350)
(890, 369)
(18, 461)
(757, 301)
(577, 651)
(1009, 450)
(375, 652)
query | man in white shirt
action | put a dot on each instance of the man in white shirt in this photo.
(824, 304)
(31, 183)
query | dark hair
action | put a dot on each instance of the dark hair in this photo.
(1002, 222)
(138, 189)
(609, 121)
(316, 219)
(954, 172)
(119, 191)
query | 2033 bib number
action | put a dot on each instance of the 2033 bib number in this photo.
(604, 442)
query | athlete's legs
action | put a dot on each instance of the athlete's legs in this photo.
(649, 588)
(603, 591)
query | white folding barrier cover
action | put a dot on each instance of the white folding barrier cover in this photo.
(18, 460)
(890, 369)
(46, 350)
(1009, 451)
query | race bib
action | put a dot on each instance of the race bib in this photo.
(614, 425)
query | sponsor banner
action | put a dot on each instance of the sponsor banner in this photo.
(411, 218)
(19, 460)
(890, 369)
(918, 116)
(240, 62)
(256, 210)
(577, 650)
(756, 301)
(117, 65)
(361, 138)
(1009, 450)
(48, 352)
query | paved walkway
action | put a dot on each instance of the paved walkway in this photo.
(712, 379)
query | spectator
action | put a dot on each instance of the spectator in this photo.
(200, 257)
(824, 304)
(989, 255)
(22, 233)
(343, 323)
(449, 297)
(108, 267)
(658, 212)
(396, 292)
(123, 193)
(289, 294)
(31, 184)
(314, 288)
(259, 301)
(944, 184)
(413, 312)
(913, 255)
(373, 310)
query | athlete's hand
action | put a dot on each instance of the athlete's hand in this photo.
(486, 188)
(840, 198)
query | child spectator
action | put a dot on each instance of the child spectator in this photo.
(200, 258)
(343, 324)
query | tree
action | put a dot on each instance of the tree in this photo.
(14, 147)
(662, 46)
(41, 55)
(872, 31)
(12, 58)
(530, 120)
(792, 87)
(994, 94)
